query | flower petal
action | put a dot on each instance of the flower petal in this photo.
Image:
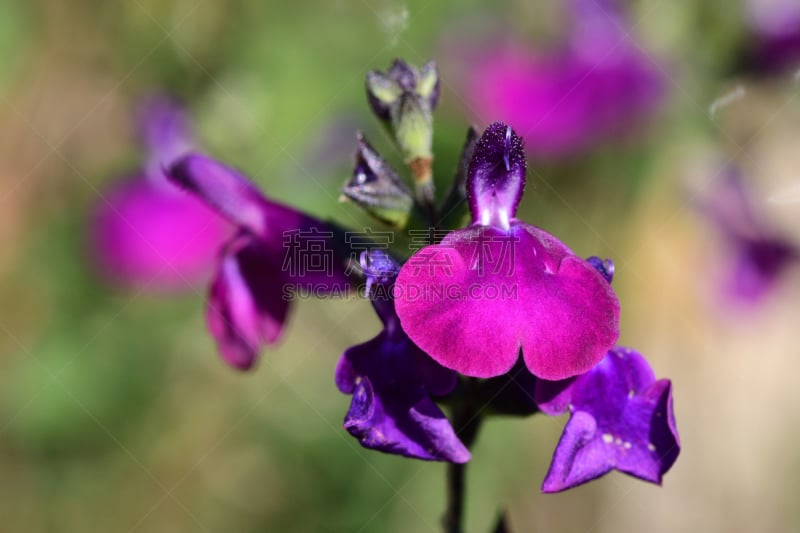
(496, 176)
(474, 300)
(570, 466)
(235, 197)
(247, 306)
(622, 418)
(313, 254)
(391, 411)
(148, 236)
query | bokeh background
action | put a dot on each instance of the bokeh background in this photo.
(116, 414)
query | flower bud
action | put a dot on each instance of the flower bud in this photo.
(404, 99)
(377, 188)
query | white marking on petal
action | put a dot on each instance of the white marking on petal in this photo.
(608, 438)
(502, 215)
(486, 216)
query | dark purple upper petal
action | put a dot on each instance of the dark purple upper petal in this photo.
(482, 294)
(232, 195)
(247, 307)
(496, 176)
(620, 418)
(311, 251)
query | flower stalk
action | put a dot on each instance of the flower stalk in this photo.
(468, 419)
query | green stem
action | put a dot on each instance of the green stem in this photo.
(467, 420)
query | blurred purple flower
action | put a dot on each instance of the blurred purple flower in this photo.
(775, 27)
(392, 380)
(597, 85)
(757, 255)
(145, 231)
(472, 301)
(621, 418)
(276, 253)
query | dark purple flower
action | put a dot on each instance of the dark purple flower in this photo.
(472, 301)
(392, 382)
(146, 231)
(775, 28)
(277, 252)
(598, 85)
(621, 418)
(758, 255)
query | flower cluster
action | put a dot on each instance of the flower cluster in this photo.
(538, 336)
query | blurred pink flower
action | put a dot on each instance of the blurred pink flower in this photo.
(146, 232)
(598, 84)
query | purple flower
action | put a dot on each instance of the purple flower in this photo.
(147, 232)
(595, 86)
(277, 252)
(757, 255)
(392, 381)
(621, 418)
(472, 301)
(775, 27)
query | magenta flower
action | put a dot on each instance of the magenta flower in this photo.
(501, 285)
(277, 252)
(392, 382)
(621, 418)
(597, 85)
(145, 231)
(757, 256)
